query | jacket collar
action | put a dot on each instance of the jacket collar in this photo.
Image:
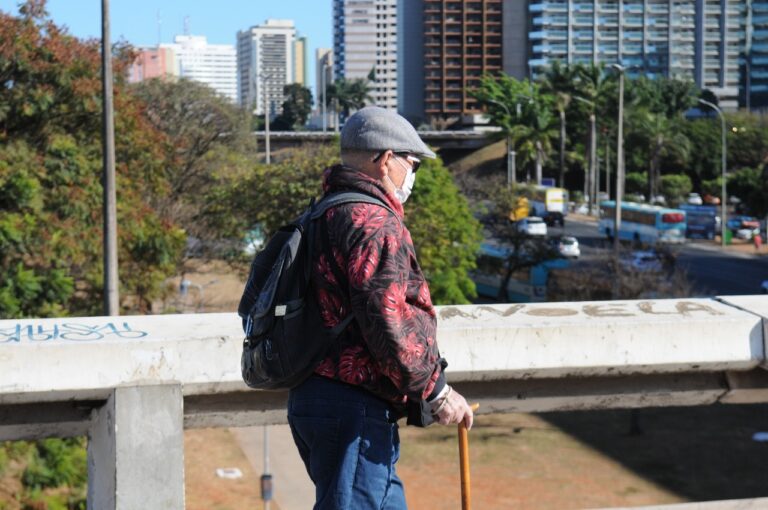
(344, 178)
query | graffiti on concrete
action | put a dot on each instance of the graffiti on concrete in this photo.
(608, 309)
(68, 331)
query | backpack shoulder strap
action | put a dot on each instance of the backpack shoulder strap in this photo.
(346, 197)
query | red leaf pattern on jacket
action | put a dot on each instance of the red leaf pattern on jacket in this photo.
(390, 347)
(394, 307)
(323, 267)
(331, 308)
(362, 263)
(355, 365)
(368, 217)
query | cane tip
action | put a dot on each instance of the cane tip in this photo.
(474, 406)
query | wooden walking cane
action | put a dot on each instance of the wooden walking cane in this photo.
(464, 461)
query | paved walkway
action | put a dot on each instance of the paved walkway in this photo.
(292, 488)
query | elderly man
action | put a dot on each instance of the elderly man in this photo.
(386, 364)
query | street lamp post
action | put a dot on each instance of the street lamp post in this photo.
(264, 78)
(511, 170)
(111, 281)
(723, 163)
(619, 163)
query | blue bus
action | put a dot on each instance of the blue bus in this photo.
(701, 221)
(643, 223)
(527, 285)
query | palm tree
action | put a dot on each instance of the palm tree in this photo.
(664, 137)
(559, 81)
(349, 95)
(593, 85)
(534, 136)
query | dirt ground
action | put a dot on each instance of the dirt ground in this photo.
(554, 461)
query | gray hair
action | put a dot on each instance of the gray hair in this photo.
(357, 158)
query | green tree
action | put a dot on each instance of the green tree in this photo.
(532, 127)
(751, 186)
(662, 136)
(50, 177)
(202, 135)
(636, 183)
(446, 235)
(559, 81)
(675, 187)
(296, 107)
(348, 95)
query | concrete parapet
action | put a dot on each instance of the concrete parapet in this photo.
(731, 504)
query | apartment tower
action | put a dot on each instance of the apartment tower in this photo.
(461, 41)
(265, 64)
(365, 46)
(212, 64)
(300, 60)
(698, 40)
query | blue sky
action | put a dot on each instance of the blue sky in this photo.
(136, 20)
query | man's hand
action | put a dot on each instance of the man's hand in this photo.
(452, 408)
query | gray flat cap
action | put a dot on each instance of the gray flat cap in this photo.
(376, 129)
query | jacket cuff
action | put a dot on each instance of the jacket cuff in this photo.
(440, 386)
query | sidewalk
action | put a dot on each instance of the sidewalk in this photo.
(292, 488)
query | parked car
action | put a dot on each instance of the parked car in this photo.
(765, 287)
(532, 225)
(711, 200)
(743, 227)
(746, 233)
(643, 261)
(695, 199)
(568, 246)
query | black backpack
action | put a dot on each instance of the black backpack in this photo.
(285, 338)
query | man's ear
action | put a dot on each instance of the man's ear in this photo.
(381, 165)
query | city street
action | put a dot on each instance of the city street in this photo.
(712, 270)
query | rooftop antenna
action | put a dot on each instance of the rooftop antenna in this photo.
(159, 28)
(186, 25)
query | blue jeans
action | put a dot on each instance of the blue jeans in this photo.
(349, 443)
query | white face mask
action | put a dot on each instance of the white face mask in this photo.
(404, 192)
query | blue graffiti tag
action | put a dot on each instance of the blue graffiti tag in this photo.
(67, 331)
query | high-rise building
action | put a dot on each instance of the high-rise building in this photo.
(212, 64)
(754, 93)
(365, 45)
(265, 64)
(323, 77)
(152, 63)
(699, 40)
(462, 42)
(300, 60)
(410, 62)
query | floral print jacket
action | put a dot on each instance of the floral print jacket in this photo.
(390, 348)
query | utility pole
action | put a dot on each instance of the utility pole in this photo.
(619, 165)
(723, 164)
(264, 78)
(111, 291)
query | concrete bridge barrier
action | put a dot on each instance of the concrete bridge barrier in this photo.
(132, 384)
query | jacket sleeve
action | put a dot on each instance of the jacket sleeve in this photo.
(391, 302)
